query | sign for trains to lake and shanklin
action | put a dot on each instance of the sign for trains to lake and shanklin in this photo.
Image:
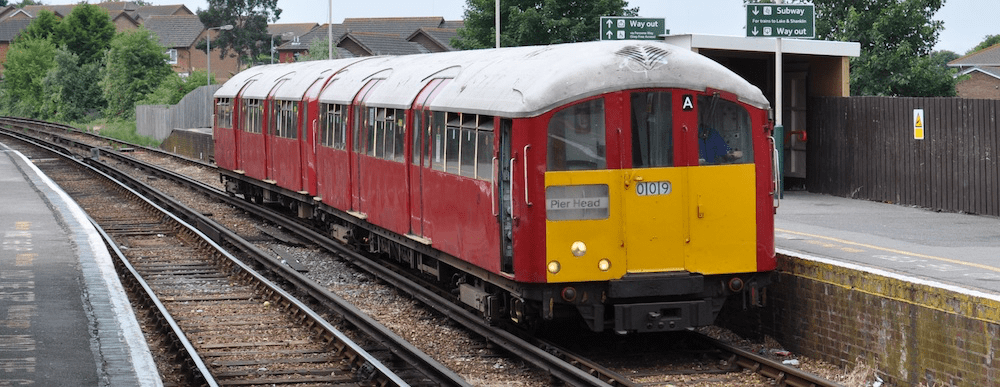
(632, 28)
(781, 20)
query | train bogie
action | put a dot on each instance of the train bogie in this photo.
(626, 184)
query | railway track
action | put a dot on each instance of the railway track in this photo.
(561, 364)
(231, 326)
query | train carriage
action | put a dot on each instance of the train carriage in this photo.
(625, 184)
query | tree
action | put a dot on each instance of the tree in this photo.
(988, 41)
(532, 22)
(28, 60)
(87, 32)
(319, 49)
(135, 65)
(896, 38)
(174, 88)
(43, 26)
(71, 90)
(249, 38)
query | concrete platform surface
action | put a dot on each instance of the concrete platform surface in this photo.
(64, 316)
(952, 248)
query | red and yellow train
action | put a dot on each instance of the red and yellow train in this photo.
(625, 184)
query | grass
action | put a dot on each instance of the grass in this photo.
(117, 129)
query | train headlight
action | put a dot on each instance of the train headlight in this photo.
(604, 264)
(554, 267)
(579, 248)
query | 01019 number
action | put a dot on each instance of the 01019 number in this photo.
(651, 188)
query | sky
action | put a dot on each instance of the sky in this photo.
(966, 22)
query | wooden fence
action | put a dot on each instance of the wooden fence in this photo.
(864, 147)
(193, 111)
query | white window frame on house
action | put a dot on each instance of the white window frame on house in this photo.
(173, 56)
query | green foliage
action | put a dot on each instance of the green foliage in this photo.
(43, 26)
(533, 22)
(249, 38)
(135, 66)
(87, 32)
(988, 41)
(174, 88)
(71, 90)
(118, 129)
(319, 49)
(28, 61)
(896, 38)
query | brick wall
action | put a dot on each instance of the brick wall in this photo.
(979, 85)
(910, 333)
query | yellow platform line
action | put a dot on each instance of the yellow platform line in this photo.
(847, 242)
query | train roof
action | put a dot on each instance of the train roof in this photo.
(509, 82)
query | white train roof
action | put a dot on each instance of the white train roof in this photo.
(509, 82)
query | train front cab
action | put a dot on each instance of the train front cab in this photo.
(660, 212)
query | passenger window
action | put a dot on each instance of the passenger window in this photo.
(451, 143)
(484, 149)
(723, 132)
(415, 148)
(576, 138)
(652, 130)
(399, 152)
(468, 147)
(437, 139)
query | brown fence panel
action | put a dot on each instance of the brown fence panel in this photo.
(864, 147)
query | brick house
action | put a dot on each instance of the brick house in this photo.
(377, 36)
(983, 74)
(178, 29)
(179, 34)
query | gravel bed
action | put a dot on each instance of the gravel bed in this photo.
(467, 355)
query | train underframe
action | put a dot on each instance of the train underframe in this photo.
(637, 303)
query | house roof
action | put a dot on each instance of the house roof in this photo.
(118, 5)
(317, 33)
(441, 36)
(453, 24)
(59, 10)
(383, 44)
(10, 28)
(989, 56)
(163, 10)
(988, 70)
(175, 31)
(402, 26)
(290, 30)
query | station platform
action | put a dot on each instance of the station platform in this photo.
(949, 248)
(64, 316)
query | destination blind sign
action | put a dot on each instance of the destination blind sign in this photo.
(632, 28)
(781, 20)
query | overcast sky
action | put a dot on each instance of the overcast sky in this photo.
(966, 22)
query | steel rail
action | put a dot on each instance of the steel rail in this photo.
(220, 234)
(168, 207)
(554, 365)
(783, 375)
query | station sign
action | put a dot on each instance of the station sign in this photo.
(765, 20)
(632, 28)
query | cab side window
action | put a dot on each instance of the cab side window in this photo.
(652, 130)
(576, 139)
(723, 132)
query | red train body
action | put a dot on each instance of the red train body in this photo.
(580, 180)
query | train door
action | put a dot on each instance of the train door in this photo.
(360, 145)
(655, 194)
(722, 190)
(504, 199)
(308, 140)
(423, 119)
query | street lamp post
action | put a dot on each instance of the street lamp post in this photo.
(208, 54)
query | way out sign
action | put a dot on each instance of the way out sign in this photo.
(918, 124)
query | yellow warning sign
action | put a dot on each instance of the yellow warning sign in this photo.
(918, 124)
